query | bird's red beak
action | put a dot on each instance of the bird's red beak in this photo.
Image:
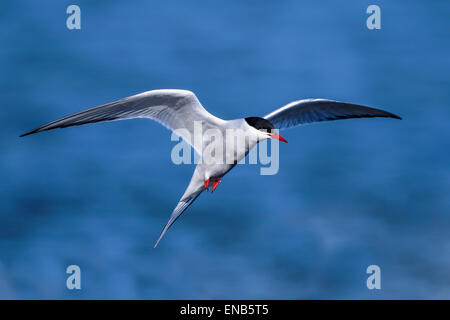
(277, 136)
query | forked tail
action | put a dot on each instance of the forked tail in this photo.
(179, 209)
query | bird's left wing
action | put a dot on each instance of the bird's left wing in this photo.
(315, 110)
(175, 109)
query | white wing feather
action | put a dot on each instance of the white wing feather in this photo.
(175, 109)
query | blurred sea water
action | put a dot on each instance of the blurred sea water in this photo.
(349, 194)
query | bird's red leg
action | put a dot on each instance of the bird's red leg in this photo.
(215, 184)
(206, 184)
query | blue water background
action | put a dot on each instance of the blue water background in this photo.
(349, 194)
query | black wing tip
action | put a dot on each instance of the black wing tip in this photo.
(393, 116)
(31, 132)
(381, 113)
(384, 114)
(388, 114)
(27, 133)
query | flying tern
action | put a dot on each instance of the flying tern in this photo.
(180, 110)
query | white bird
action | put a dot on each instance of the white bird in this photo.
(179, 110)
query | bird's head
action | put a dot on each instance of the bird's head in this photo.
(265, 128)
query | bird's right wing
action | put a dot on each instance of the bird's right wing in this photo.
(315, 110)
(175, 109)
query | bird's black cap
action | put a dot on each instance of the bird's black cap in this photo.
(260, 123)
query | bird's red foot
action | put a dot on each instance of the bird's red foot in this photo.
(215, 184)
(206, 184)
